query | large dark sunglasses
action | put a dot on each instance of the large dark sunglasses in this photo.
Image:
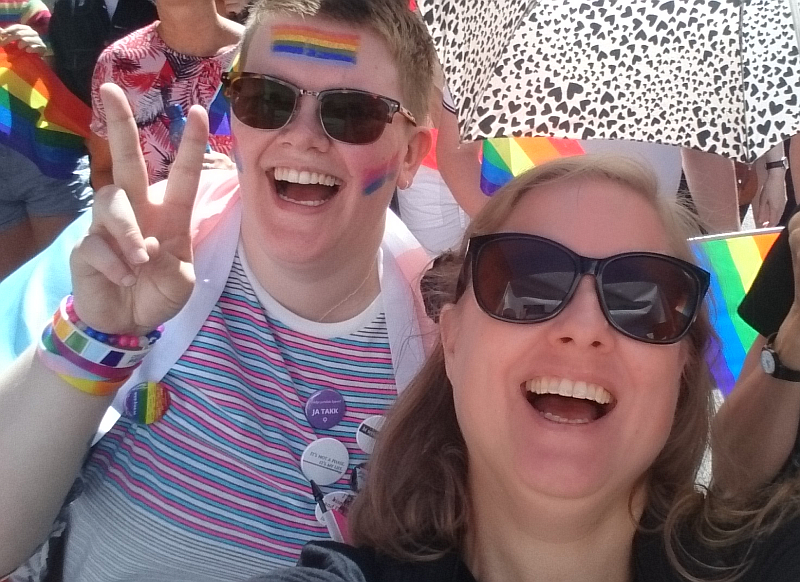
(347, 115)
(522, 278)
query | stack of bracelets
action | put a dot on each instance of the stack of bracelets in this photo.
(91, 361)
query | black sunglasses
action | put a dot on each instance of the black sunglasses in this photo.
(347, 115)
(523, 278)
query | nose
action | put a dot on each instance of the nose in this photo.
(304, 130)
(582, 323)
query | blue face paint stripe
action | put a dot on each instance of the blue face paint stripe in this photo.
(314, 53)
(375, 185)
(315, 43)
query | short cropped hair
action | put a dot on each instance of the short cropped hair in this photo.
(391, 20)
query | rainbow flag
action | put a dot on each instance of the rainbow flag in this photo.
(39, 116)
(507, 157)
(219, 112)
(733, 261)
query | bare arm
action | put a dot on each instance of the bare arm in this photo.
(45, 429)
(755, 429)
(770, 199)
(712, 183)
(130, 273)
(100, 161)
(459, 165)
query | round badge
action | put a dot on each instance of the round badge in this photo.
(338, 500)
(324, 461)
(324, 409)
(368, 431)
(147, 402)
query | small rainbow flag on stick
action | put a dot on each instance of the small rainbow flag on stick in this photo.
(507, 157)
(39, 117)
(733, 260)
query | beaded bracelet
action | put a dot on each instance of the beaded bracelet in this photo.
(113, 351)
(130, 342)
(91, 361)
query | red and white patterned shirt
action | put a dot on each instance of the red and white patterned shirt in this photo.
(152, 75)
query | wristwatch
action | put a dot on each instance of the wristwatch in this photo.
(782, 163)
(771, 363)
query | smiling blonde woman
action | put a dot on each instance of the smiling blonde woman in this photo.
(556, 431)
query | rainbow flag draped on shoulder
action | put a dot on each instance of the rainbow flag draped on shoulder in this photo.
(39, 117)
(733, 260)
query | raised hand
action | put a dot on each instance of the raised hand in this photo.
(26, 38)
(133, 270)
(770, 201)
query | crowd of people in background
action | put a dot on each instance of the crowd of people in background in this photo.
(168, 66)
(244, 307)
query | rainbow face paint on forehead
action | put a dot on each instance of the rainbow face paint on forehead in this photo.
(315, 43)
(375, 179)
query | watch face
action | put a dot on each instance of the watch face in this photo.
(767, 361)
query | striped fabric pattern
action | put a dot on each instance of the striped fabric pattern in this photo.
(213, 491)
(733, 261)
(20, 11)
(39, 117)
(507, 157)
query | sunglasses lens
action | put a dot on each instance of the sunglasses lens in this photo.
(262, 103)
(352, 117)
(522, 279)
(649, 298)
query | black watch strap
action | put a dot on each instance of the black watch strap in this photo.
(783, 163)
(772, 365)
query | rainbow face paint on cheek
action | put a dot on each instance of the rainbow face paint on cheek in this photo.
(315, 43)
(375, 179)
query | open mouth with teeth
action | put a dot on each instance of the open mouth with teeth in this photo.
(305, 188)
(567, 401)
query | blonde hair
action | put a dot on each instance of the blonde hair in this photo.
(403, 32)
(416, 503)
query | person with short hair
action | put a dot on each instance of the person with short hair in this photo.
(289, 305)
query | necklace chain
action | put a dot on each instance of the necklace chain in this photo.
(350, 296)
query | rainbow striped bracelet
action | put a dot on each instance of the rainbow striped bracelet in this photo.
(88, 344)
(74, 374)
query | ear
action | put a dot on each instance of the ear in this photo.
(419, 144)
(448, 332)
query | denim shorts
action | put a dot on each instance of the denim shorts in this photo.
(25, 191)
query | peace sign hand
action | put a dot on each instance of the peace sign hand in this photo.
(133, 270)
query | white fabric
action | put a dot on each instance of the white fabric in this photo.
(431, 213)
(664, 160)
(213, 258)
